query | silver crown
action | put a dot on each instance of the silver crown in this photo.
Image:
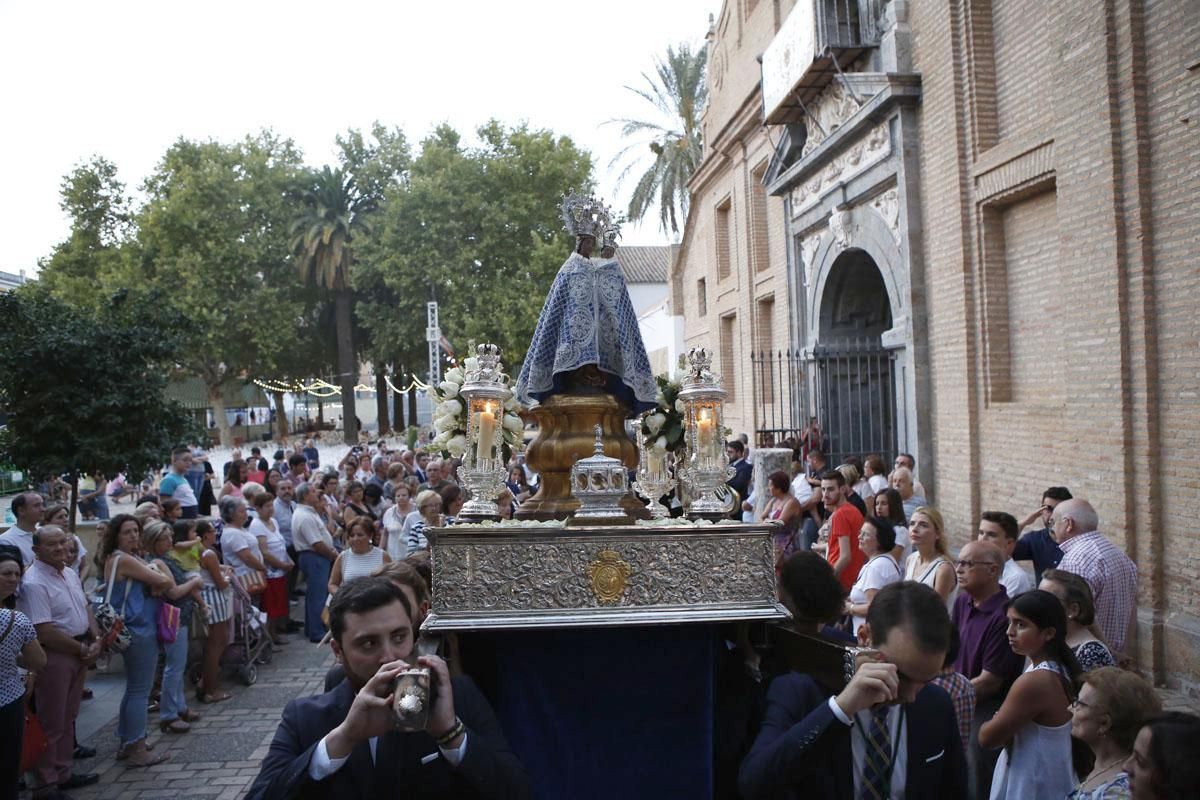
(585, 215)
(700, 364)
(489, 368)
(611, 235)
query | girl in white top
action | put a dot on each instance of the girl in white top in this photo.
(361, 558)
(875, 539)
(1033, 724)
(930, 562)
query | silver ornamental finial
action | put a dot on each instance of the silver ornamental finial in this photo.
(488, 356)
(700, 364)
(599, 439)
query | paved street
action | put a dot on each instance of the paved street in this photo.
(221, 755)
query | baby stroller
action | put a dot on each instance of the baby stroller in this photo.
(249, 643)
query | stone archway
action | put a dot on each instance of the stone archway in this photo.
(859, 333)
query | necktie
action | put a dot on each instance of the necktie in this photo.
(877, 763)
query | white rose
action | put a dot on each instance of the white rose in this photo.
(457, 446)
(680, 407)
(661, 444)
(654, 422)
(513, 423)
(448, 388)
(455, 375)
(512, 403)
(451, 408)
(471, 364)
(659, 398)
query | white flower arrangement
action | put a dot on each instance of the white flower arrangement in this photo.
(450, 422)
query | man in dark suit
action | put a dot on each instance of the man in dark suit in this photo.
(740, 482)
(344, 743)
(885, 734)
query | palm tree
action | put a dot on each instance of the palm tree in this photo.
(333, 212)
(678, 91)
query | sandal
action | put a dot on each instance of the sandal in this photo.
(125, 751)
(174, 726)
(144, 758)
(209, 699)
(189, 716)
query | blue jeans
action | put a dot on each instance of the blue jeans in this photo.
(810, 532)
(140, 661)
(316, 569)
(172, 703)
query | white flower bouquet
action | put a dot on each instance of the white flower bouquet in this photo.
(450, 419)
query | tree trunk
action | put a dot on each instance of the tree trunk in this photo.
(281, 420)
(381, 403)
(398, 406)
(217, 401)
(347, 374)
(320, 414)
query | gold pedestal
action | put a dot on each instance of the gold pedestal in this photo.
(566, 433)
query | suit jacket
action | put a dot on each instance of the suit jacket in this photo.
(740, 482)
(803, 750)
(402, 765)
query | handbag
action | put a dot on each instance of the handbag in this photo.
(34, 742)
(254, 582)
(199, 627)
(113, 634)
(168, 623)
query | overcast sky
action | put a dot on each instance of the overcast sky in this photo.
(124, 79)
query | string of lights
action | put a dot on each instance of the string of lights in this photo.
(319, 388)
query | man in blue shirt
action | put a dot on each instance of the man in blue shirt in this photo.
(1039, 546)
(176, 486)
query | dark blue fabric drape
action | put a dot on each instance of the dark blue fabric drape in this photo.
(611, 714)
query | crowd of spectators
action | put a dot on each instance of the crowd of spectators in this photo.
(199, 554)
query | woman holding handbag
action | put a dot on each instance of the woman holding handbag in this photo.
(174, 715)
(18, 648)
(133, 583)
(239, 547)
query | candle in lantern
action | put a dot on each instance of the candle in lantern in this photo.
(656, 461)
(486, 424)
(706, 433)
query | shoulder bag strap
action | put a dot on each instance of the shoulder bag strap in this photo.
(112, 579)
(932, 567)
(12, 618)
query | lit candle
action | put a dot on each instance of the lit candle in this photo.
(656, 461)
(706, 433)
(486, 424)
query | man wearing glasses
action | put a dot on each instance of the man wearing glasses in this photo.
(985, 656)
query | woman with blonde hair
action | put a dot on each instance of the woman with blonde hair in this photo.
(930, 562)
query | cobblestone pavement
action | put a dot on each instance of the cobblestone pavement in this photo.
(220, 756)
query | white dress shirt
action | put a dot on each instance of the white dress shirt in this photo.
(1014, 579)
(322, 766)
(858, 744)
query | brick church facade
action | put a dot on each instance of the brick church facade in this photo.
(973, 224)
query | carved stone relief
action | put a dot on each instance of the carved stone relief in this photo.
(869, 150)
(832, 107)
(808, 255)
(888, 206)
(842, 227)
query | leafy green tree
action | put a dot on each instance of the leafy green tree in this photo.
(379, 162)
(214, 241)
(86, 390)
(677, 90)
(96, 258)
(478, 230)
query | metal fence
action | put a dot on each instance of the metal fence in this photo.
(780, 395)
(854, 385)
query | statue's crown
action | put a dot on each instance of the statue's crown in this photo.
(584, 215)
(611, 235)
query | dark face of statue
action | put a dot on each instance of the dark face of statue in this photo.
(586, 244)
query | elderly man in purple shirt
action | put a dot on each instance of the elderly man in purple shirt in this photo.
(53, 599)
(985, 656)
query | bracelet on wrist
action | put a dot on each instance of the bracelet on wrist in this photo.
(449, 736)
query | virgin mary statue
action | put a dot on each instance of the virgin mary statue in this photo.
(587, 336)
